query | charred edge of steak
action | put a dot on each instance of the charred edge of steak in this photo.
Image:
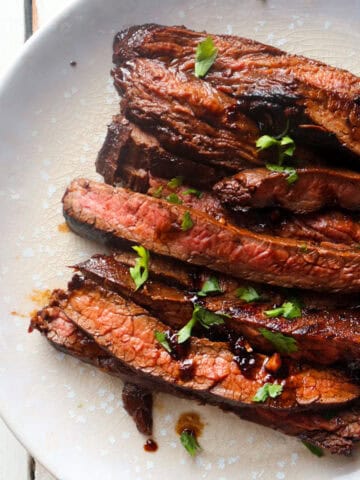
(129, 154)
(138, 403)
(314, 189)
(337, 434)
(260, 86)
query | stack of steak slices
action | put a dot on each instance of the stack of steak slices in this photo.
(276, 263)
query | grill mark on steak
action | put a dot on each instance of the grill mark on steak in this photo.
(113, 215)
(336, 434)
(321, 101)
(129, 154)
(126, 330)
(323, 337)
(314, 189)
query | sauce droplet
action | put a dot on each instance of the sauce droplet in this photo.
(189, 421)
(150, 445)
(63, 228)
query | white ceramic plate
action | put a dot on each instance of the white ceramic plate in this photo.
(52, 122)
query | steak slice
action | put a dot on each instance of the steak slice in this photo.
(193, 119)
(323, 337)
(129, 154)
(113, 215)
(332, 226)
(127, 332)
(337, 433)
(314, 189)
(321, 102)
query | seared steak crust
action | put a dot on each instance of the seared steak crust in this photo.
(116, 214)
(320, 101)
(314, 189)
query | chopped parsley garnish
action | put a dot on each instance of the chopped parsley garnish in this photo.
(186, 222)
(314, 449)
(140, 272)
(193, 191)
(162, 339)
(189, 442)
(285, 145)
(211, 285)
(282, 343)
(303, 248)
(205, 56)
(204, 317)
(173, 198)
(290, 172)
(175, 182)
(271, 390)
(290, 309)
(248, 294)
(157, 193)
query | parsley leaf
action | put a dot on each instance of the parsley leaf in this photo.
(271, 390)
(205, 56)
(186, 222)
(211, 285)
(157, 193)
(282, 343)
(290, 172)
(173, 198)
(193, 191)
(285, 145)
(314, 449)
(204, 317)
(140, 272)
(161, 338)
(290, 309)
(303, 248)
(185, 332)
(175, 182)
(189, 442)
(248, 294)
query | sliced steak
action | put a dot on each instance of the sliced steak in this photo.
(138, 402)
(127, 332)
(323, 337)
(321, 102)
(314, 189)
(193, 119)
(129, 154)
(332, 226)
(113, 215)
(337, 433)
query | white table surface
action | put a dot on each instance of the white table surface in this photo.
(15, 462)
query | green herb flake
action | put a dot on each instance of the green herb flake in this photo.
(205, 56)
(314, 449)
(211, 285)
(193, 191)
(157, 193)
(189, 442)
(175, 182)
(140, 272)
(185, 332)
(173, 198)
(248, 294)
(282, 343)
(186, 223)
(284, 144)
(204, 317)
(303, 248)
(290, 172)
(161, 338)
(271, 390)
(290, 309)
